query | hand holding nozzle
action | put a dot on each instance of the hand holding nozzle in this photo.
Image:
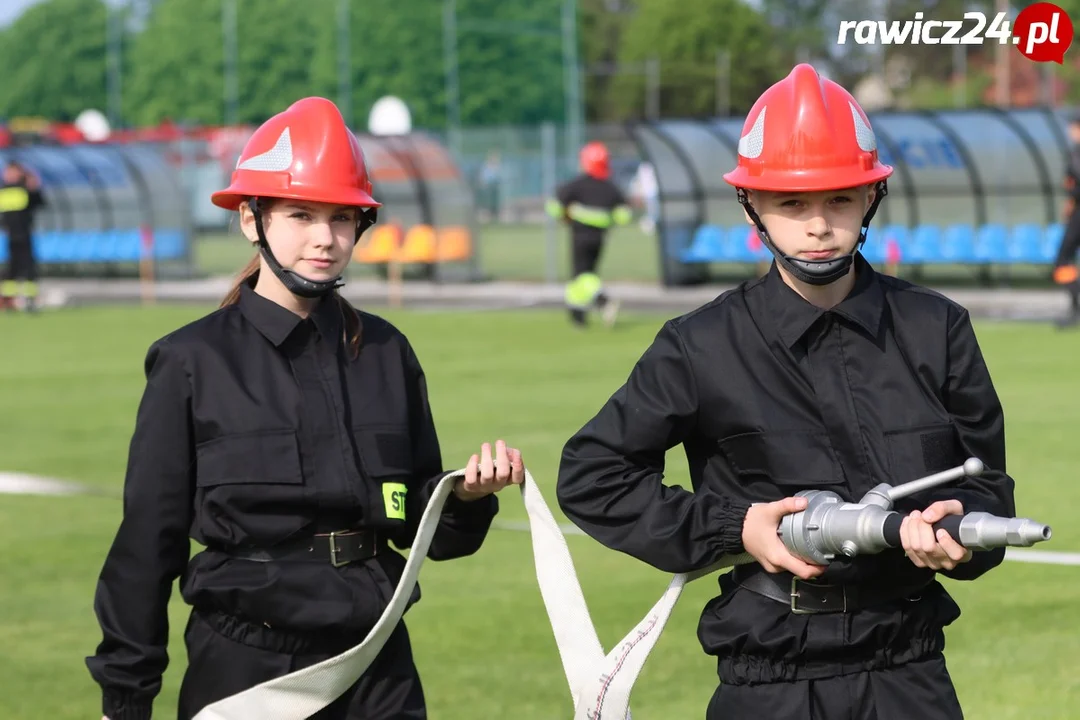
(829, 526)
(978, 530)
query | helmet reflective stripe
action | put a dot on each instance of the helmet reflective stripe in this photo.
(277, 159)
(752, 143)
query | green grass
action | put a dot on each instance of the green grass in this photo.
(70, 382)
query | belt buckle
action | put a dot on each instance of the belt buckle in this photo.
(334, 551)
(796, 610)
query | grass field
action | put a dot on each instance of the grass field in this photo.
(521, 252)
(70, 382)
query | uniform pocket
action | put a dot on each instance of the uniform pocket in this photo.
(386, 455)
(386, 451)
(802, 458)
(922, 450)
(268, 457)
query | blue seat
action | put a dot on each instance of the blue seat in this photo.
(739, 248)
(874, 247)
(1025, 244)
(104, 246)
(67, 246)
(1052, 238)
(128, 246)
(3, 246)
(168, 244)
(992, 244)
(707, 246)
(45, 246)
(958, 244)
(924, 246)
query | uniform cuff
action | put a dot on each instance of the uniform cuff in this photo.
(730, 516)
(487, 506)
(123, 706)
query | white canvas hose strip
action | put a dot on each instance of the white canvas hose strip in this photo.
(600, 684)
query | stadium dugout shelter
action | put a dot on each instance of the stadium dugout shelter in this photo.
(979, 189)
(107, 206)
(113, 208)
(428, 218)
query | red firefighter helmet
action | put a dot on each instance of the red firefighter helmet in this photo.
(303, 153)
(805, 134)
(595, 161)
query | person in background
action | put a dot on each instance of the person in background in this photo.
(20, 199)
(491, 184)
(1065, 270)
(591, 204)
(647, 193)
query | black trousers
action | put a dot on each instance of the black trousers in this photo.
(225, 658)
(920, 690)
(21, 263)
(585, 254)
(585, 258)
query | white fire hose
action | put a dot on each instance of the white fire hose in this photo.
(599, 684)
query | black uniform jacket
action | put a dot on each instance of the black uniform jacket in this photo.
(770, 395)
(590, 204)
(18, 204)
(255, 428)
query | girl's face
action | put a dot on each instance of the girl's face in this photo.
(313, 239)
(813, 225)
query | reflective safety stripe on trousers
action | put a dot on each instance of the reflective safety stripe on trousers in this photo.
(581, 292)
(600, 684)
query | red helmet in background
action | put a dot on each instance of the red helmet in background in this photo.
(804, 134)
(304, 153)
(595, 161)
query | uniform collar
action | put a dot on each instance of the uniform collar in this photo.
(277, 323)
(793, 316)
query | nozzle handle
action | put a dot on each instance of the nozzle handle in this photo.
(977, 530)
(971, 467)
(950, 524)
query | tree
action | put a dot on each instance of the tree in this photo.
(601, 27)
(177, 63)
(509, 59)
(53, 57)
(799, 24)
(693, 32)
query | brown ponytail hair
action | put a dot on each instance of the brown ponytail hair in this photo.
(249, 275)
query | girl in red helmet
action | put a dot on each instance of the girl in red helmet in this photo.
(825, 375)
(291, 435)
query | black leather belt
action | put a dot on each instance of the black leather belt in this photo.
(337, 548)
(806, 597)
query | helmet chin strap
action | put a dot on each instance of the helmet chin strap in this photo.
(814, 272)
(293, 281)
